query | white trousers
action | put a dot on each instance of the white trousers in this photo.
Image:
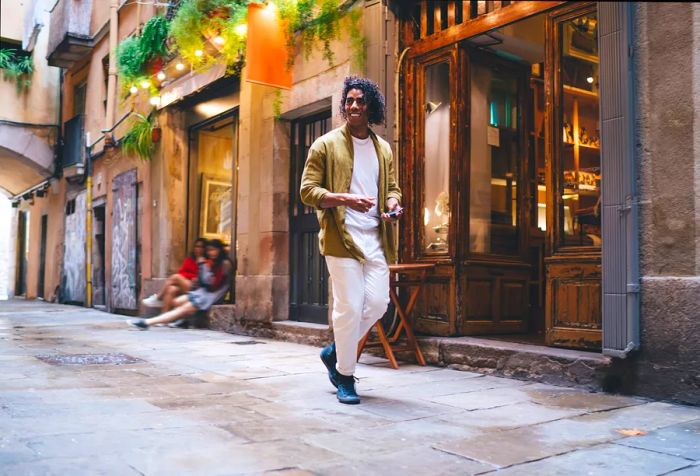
(360, 295)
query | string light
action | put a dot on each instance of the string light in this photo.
(219, 40)
(161, 76)
(133, 89)
(241, 29)
(145, 84)
(155, 100)
(198, 53)
(179, 66)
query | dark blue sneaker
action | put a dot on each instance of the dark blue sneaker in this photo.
(329, 359)
(346, 390)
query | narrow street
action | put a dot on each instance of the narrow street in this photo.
(172, 401)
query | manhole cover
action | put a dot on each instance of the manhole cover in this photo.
(88, 359)
(247, 342)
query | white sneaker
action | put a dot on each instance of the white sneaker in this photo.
(152, 301)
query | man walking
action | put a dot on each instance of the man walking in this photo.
(349, 178)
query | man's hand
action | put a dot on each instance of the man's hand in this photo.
(359, 203)
(391, 205)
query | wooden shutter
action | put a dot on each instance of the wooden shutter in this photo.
(619, 202)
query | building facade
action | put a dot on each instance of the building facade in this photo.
(544, 150)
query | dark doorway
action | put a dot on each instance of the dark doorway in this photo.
(308, 274)
(22, 248)
(98, 257)
(42, 257)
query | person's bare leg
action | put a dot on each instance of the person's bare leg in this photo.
(183, 308)
(171, 292)
(183, 284)
(168, 282)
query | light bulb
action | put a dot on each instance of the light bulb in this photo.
(161, 76)
(198, 53)
(145, 84)
(590, 79)
(241, 29)
(133, 89)
(219, 40)
(179, 66)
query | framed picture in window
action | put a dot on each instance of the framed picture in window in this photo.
(216, 208)
(580, 38)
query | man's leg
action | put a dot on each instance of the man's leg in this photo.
(376, 273)
(348, 296)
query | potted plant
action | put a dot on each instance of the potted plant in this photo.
(138, 140)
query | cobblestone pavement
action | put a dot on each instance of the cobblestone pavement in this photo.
(171, 401)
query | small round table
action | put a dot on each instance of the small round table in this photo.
(414, 275)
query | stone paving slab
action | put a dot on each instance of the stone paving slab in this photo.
(678, 440)
(200, 403)
(601, 460)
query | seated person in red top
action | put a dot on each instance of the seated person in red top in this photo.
(215, 273)
(180, 282)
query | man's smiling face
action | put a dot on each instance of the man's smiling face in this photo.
(356, 108)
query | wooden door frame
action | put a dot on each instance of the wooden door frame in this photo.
(578, 264)
(314, 313)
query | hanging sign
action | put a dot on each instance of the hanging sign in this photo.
(266, 48)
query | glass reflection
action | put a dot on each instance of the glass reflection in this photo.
(436, 201)
(579, 221)
(493, 196)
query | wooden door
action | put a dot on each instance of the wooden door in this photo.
(123, 276)
(308, 296)
(42, 257)
(74, 260)
(573, 304)
(495, 276)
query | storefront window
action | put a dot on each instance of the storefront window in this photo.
(494, 159)
(215, 161)
(579, 215)
(436, 203)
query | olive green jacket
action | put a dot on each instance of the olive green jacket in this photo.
(329, 169)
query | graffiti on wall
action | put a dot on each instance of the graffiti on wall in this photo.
(73, 279)
(124, 272)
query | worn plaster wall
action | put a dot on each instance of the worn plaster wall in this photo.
(39, 103)
(667, 81)
(169, 195)
(52, 205)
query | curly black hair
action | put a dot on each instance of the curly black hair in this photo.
(376, 105)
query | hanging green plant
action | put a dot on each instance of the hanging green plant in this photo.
(138, 140)
(18, 68)
(199, 23)
(138, 57)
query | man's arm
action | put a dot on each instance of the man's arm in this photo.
(314, 194)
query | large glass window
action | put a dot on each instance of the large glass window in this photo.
(579, 213)
(436, 166)
(215, 149)
(494, 160)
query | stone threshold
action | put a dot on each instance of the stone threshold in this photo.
(563, 367)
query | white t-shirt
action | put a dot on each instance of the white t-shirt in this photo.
(365, 181)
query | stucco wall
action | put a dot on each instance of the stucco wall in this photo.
(39, 103)
(667, 75)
